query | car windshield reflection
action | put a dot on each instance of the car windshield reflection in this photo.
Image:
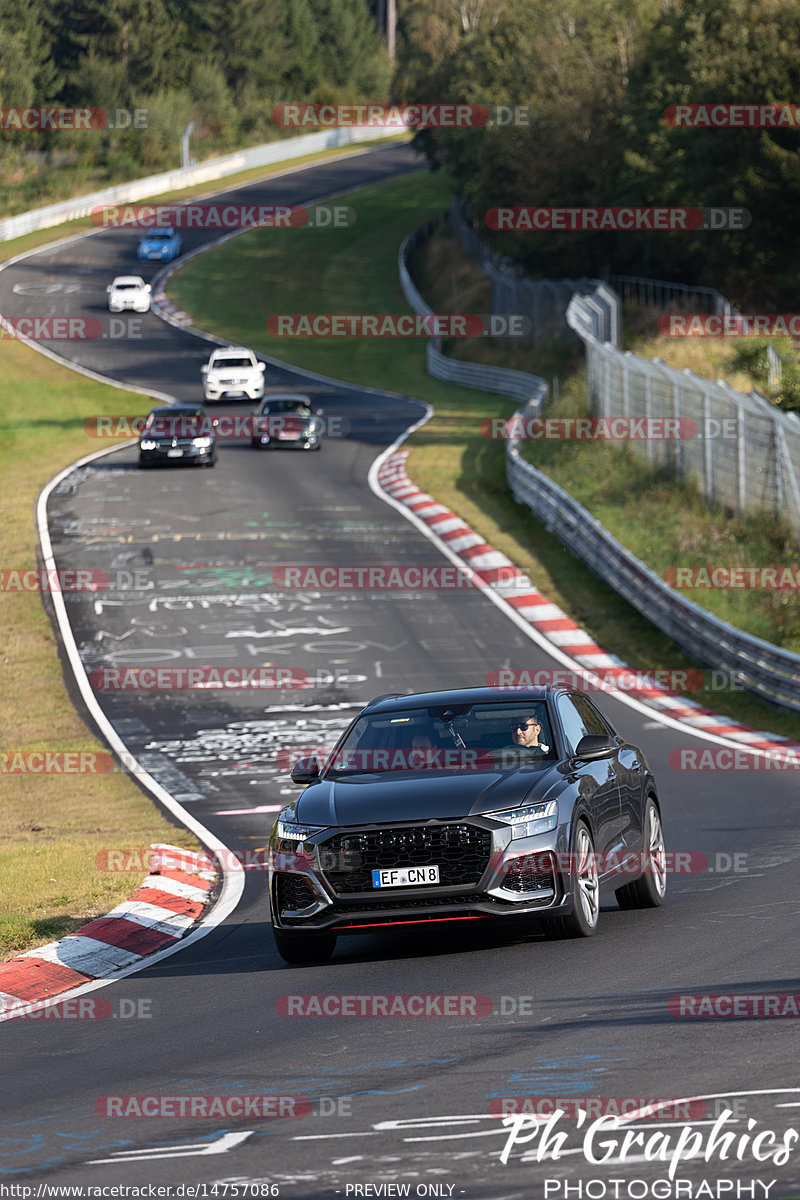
(479, 737)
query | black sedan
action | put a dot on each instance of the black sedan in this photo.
(480, 803)
(288, 420)
(181, 434)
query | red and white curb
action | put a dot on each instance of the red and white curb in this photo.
(162, 910)
(513, 589)
(175, 315)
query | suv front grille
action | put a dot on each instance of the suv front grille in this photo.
(461, 853)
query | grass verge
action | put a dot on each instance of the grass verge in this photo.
(233, 292)
(52, 825)
(663, 522)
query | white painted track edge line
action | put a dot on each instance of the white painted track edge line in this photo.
(233, 878)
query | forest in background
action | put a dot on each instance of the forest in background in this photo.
(594, 77)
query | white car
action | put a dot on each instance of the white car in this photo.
(233, 371)
(128, 291)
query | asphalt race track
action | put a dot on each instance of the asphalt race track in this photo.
(393, 1100)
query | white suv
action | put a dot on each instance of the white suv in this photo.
(233, 371)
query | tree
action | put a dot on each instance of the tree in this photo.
(352, 58)
(302, 67)
(28, 74)
(246, 40)
(745, 52)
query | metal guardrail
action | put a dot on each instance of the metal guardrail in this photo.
(517, 384)
(762, 668)
(213, 168)
(770, 672)
(660, 293)
(543, 301)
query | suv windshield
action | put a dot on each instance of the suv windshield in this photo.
(459, 737)
(286, 406)
(224, 364)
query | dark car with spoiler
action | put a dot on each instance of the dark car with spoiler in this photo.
(483, 803)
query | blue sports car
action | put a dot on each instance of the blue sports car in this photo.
(159, 245)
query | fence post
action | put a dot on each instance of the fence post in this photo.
(708, 457)
(778, 469)
(648, 412)
(787, 472)
(676, 396)
(741, 457)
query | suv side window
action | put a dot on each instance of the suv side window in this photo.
(594, 720)
(571, 721)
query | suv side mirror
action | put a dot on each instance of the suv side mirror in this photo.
(595, 745)
(305, 770)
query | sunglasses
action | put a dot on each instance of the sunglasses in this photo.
(515, 725)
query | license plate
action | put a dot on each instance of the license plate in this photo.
(174, 454)
(405, 876)
(289, 437)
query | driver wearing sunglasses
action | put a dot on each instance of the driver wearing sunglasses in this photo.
(525, 734)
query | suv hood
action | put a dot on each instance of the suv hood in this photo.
(420, 795)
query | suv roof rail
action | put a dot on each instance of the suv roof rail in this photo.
(383, 696)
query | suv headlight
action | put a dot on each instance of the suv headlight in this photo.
(532, 819)
(292, 831)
